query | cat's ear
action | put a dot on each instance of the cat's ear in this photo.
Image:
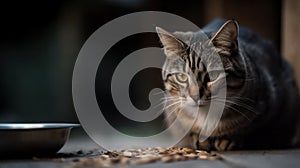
(226, 38)
(172, 45)
(185, 37)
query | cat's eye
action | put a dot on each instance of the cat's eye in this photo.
(213, 75)
(181, 77)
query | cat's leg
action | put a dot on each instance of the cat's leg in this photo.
(224, 144)
(204, 145)
(228, 143)
(188, 141)
(192, 141)
(219, 144)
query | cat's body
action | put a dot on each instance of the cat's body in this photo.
(261, 109)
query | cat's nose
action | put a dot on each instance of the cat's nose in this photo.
(196, 99)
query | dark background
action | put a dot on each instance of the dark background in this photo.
(40, 41)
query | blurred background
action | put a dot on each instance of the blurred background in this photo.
(40, 41)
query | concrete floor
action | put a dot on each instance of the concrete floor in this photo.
(238, 159)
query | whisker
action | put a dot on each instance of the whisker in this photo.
(242, 102)
(239, 101)
(175, 105)
(171, 112)
(170, 105)
(240, 98)
(163, 102)
(240, 105)
(161, 92)
(166, 101)
(169, 97)
(234, 109)
(243, 105)
(172, 98)
(235, 98)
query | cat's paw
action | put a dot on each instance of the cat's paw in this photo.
(224, 144)
(205, 145)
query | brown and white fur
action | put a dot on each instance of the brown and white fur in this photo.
(261, 104)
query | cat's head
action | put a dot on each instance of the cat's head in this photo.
(195, 65)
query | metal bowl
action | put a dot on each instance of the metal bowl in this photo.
(33, 138)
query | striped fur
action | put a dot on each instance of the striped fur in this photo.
(253, 104)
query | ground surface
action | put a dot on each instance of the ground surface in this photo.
(239, 159)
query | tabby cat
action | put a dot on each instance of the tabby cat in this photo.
(261, 103)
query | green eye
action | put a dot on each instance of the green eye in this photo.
(181, 77)
(213, 75)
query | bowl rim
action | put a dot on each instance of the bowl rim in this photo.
(31, 126)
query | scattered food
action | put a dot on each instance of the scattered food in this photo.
(142, 156)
